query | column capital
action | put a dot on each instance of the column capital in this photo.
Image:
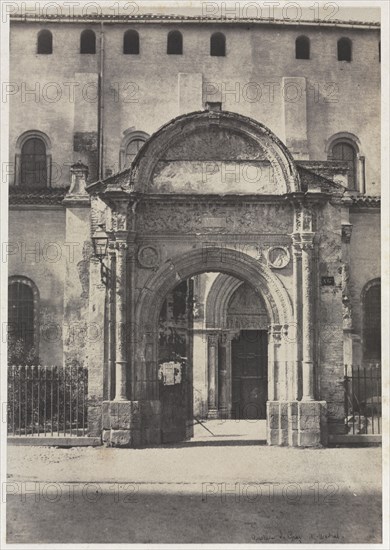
(307, 241)
(121, 246)
(275, 334)
(213, 338)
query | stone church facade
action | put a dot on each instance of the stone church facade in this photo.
(232, 172)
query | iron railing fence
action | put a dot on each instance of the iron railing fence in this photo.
(47, 401)
(362, 399)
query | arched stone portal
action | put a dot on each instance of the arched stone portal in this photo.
(233, 263)
(208, 192)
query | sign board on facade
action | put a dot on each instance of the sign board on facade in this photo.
(327, 281)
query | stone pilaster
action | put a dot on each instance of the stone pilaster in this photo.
(111, 321)
(296, 389)
(307, 318)
(120, 324)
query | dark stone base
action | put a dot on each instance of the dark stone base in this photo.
(131, 423)
(297, 423)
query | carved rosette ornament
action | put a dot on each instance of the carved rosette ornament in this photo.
(149, 256)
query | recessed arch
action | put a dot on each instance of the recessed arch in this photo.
(218, 44)
(175, 43)
(302, 47)
(88, 42)
(218, 300)
(344, 49)
(45, 42)
(131, 42)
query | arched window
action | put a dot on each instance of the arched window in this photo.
(218, 44)
(33, 163)
(45, 42)
(371, 301)
(131, 42)
(131, 144)
(87, 41)
(132, 149)
(344, 49)
(346, 151)
(175, 43)
(302, 48)
(23, 311)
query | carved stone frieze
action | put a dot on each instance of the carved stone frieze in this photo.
(211, 218)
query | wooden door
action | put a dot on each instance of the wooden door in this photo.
(249, 375)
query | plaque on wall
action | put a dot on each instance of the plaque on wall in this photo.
(148, 256)
(170, 373)
(278, 256)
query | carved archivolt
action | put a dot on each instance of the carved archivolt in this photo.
(236, 264)
(169, 145)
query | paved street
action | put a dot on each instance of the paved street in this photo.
(216, 490)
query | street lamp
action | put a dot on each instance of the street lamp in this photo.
(100, 244)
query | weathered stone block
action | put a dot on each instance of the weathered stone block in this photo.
(106, 420)
(293, 438)
(121, 438)
(94, 421)
(273, 436)
(273, 414)
(106, 437)
(309, 414)
(283, 419)
(309, 439)
(283, 437)
(121, 415)
(324, 424)
(293, 415)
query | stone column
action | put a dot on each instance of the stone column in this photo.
(307, 319)
(361, 174)
(120, 309)
(213, 375)
(225, 377)
(274, 346)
